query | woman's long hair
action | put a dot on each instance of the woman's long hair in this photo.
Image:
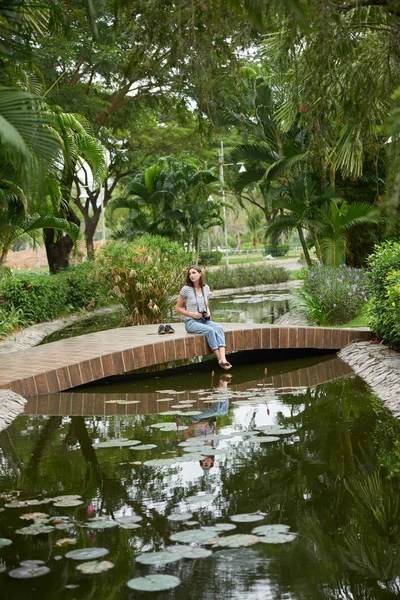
(196, 268)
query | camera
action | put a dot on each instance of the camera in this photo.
(205, 315)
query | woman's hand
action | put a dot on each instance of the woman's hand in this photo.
(196, 315)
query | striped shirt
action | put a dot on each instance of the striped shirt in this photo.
(188, 292)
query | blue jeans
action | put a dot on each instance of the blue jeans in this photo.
(213, 331)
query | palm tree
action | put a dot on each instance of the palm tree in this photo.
(333, 221)
(299, 201)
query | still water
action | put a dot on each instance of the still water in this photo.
(304, 446)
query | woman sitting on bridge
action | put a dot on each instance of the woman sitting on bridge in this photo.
(196, 315)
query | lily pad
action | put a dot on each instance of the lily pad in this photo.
(68, 503)
(237, 541)
(180, 516)
(33, 516)
(189, 551)
(31, 563)
(144, 447)
(276, 430)
(25, 503)
(160, 462)
(87, 553)
(5, 542)
(35, 529)
(246, 518)
(209, 451)
(66, 497)
(191, 457)
(170, 413)
(28, 572)
(101, 524)
(153, 583)
(191, 413)
(200, 498)
(119, 443)
(178, 406)
(66, 542)
(192, 536)
(129, 521)
(157, 558)
(95, 566)
(274, 534)
(219, 527)
(263, 439)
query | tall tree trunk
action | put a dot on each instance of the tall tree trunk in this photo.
(304, 246)
(58, 245)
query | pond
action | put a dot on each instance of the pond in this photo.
(266, 484)
(263, 307)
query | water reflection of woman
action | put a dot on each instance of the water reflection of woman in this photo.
(205, 424)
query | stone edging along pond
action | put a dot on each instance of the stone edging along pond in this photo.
(379, 367)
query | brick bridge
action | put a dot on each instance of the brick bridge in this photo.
(65, 364)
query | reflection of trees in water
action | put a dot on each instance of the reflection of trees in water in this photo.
(325, 485)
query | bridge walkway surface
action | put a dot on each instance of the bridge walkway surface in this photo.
(66, 364)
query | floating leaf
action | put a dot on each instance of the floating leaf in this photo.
(160, 462)
(220, 527)
(68, 503)
(95, 566)
(101, 524)
(246, 518)
(66, 497)
(5, 542)
(29, 572)
(144, 447)
(170, 413)
(276, 430)
(200, 498)
(118, 443)
(25, 503)
(66, 542)
(153, 583)
(87, 553)
(129, 521)
(178, 406)
(157, 558)
(31, 563)
(209, 451)
(237, 540)
(192, 536)
(191, 457)
(35, 529)
(191, 413)
(263, 439)
(189, 551)
(274, 534)
(33, 516)
(180, 517)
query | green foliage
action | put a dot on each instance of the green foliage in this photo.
(84, 286)
(210, 258)
(277, 249)
(34, 298)
(242, 276)
(384, 313)
(39, 297)
(331, 296)
(10, 320)
(144, 275)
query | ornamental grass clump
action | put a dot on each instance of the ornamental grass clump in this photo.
(333, 295)
(144, 275)
(243, 276)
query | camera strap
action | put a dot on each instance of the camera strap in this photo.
(204, 300)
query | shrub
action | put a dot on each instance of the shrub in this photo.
(384, 312)
(277, 249)
(84, 286)
(242, 276)
(331, 296)
(145, 275)
(210, 258)
(39, 297)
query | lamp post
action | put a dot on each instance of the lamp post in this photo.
(221, 179)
